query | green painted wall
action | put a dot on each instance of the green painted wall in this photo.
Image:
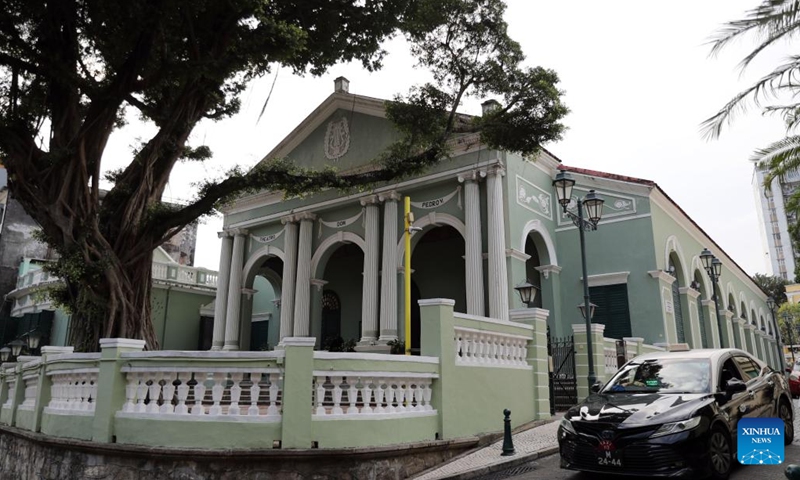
(198, 434)
(70, 426)
(176, 317)
(365, 433)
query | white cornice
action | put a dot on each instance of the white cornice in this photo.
(603, 279)
(663, 276)
(546, 270)
(516, 254)
(689, 291)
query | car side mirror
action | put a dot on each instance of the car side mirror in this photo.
(733, 386)
(596, 387)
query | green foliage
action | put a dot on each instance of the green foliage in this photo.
(773, 286)
(69, 71)
(398, 347)
(338, 344)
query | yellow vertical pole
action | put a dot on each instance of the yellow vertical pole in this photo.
(407, 270)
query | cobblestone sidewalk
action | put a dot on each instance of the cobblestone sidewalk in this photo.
(541, 439)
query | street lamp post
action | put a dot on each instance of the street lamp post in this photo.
(713, 267)
(781, 356)
(789, 328)
(594, 210)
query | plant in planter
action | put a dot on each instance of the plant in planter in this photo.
(398, 347)
(338, 344)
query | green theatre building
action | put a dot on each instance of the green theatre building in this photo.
(330, 266)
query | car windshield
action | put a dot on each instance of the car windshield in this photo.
(663, 376)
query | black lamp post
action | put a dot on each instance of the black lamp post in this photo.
(713, 267)
(594, 210)
(781, 356)
(527, 292)
(790, 328)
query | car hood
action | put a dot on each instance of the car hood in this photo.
(637, 409)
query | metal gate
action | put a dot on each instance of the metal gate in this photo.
(563, 383)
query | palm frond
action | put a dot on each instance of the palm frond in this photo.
(773, 19)
(777, 80)
(778, 159)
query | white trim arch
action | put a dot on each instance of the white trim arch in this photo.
(255, 260)
(538, 227)
(432, 219)
(673, 245)
(697, 266)
(336, 238)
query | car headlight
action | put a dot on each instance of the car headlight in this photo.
(567, 426)
(676, 427)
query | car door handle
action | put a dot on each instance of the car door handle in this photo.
(751, 393)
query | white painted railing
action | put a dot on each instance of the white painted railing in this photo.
(371, 395)
(160, 270)
(218, 393)
(484, 348)
(31, 380)
(73, 391)
(610, 355)
(12, 391)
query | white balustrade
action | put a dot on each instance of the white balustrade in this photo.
(187, 275)
(73, 391)
(31, 389)
(244, 394)
(485, 348)
(610, 355)
(12, 391)
(211, 279)
(372, 394)
(159, 270)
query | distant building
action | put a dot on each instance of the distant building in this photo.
(774, 222)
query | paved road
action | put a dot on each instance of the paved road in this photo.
(548, 468)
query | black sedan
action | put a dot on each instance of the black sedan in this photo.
(673, 414)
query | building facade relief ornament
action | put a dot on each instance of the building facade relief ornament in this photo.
(534, 198)
(340, 223)
(337, 139)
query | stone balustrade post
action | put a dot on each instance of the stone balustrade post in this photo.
(45, 382)
(111, 385)
(582, 355)
(437, 331)
(537, 356)
(297, 392)
(633, 347)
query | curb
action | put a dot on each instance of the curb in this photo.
(492, 438)
(497, 467)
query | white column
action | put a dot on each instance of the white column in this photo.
(369, 288)
(223, 279)
(234, 306)
(302, 294)
(498, 276)
(289, 277)
(473, 253)
(389, 268)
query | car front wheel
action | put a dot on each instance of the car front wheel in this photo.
(786, 414)
(719, 453)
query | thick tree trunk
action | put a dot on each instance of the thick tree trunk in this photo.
(117, 305)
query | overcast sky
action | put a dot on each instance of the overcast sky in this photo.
(638, 81)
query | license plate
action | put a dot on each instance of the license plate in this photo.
(610, 459)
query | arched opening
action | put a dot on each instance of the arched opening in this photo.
(705, 324)
(533, 275)
(675, 269)
(737, 339)
(261, 317)
(343, 274)
(331, 323)
(437, 262)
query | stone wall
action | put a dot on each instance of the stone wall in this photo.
(25, 455)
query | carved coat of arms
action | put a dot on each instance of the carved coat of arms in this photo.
(337, 139)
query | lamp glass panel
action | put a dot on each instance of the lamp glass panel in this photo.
(706, 257)
(593, 205)
(716, 266)
(563, 183)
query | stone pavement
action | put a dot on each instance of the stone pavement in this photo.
(529, 444)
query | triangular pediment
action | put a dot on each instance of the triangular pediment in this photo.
(345, 131)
